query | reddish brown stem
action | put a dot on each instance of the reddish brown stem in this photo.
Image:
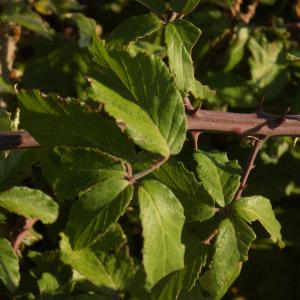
(249, 167)
(22, 234)
(257, 125)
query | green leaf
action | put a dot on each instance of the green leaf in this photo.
(5, 121)
(156, 5)
(197, 202)
(162, 221)
(133, 29)
(47, 284)
(219, 176)
(20, 14)
(30, 204)
(259, 208)
(16, 166)
(112, 271)
(236, 49)
(184, 6)
(138, 91)
(101, 206)
(87, 28)
(230, 250)
(268, 65)
(9, 265)
(180, 39)
(55, 122)
(70, 171)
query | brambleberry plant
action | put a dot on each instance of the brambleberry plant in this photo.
(106, 192)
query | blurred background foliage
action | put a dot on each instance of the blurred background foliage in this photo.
(242, 60)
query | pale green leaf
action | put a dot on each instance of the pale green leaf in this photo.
(72, 170)
(197, 202)
(267, 65)
(9, 265)
(184, 6)
(29, 203)
(181, 37)
(87, 28)
(133, 29)
(97, 209)
(219, 176)
(156, 5)
(47, 284)
(236, 49)
(56, 122)
(162, 221)
(139, 92)
(258, 208)
(112, 271)
(230, 250)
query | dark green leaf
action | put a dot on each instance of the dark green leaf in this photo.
(112, 271)
(72, 170)
(162, 220)
(29, 203)
(96, 210)
(55, 122)
(259, 208)
(133, 29)
(138, 91)
(184, 6)
(9, 265)
(219, 176)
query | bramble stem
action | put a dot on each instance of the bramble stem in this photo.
(29, 223)
(249, 167)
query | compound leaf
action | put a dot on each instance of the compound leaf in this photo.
(138, 91)
(162, 221)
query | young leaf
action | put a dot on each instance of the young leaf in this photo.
(197, 202)
(55, 122)
(180, 39)
(87, 28)
(219, 176)
(162, 221)
(29, 203)
(72, 170)
(96, 210)
(139, 92)
(259, 208)
(9, 265)
(184, 6)
(111, 271)
(230, 250)
(133, 29)
(156, 5)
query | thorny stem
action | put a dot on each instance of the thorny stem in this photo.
(144, 173)
(29, 223)
(249, 167)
